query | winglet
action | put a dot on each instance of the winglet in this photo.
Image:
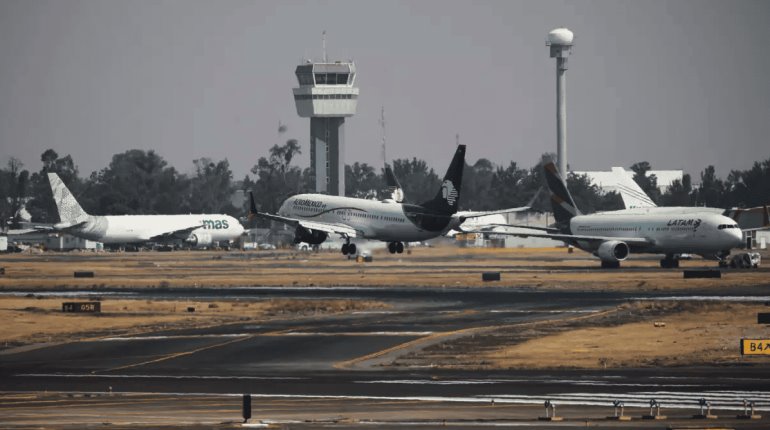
(252, 207)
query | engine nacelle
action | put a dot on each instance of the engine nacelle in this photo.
(312, 237)
(613, 251)
(200, 240)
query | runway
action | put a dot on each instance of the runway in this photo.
(344, 360)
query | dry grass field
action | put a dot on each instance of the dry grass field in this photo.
(693, 333)
(689, 334)
(32, 320)
(551, 268)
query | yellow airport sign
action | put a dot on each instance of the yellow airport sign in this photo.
(755, 346)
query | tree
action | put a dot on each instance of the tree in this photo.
(14, 181)
(276, 178)
(679, 193)
(711, 191)
(419, 183)
(139, 182)
(511, 186)
(212, 187)
(477, 181)
(361, 181)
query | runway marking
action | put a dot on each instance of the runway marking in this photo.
(360, 333)
(177, 355)
(191, 336)
(459, 333)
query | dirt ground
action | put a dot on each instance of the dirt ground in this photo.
(678, 334)
(31, 320)
(693, 333)
(551, 268)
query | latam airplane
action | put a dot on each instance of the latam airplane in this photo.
(613, 235)
(196, 230)
(316, 216)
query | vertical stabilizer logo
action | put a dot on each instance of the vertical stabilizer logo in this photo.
(449, 192)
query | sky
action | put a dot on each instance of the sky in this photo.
(681, 84)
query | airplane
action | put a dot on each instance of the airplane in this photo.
(316, 216)
(636, 201)
(614, 235)
(198, 231)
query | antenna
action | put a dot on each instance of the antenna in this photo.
(457, 139)
(382, 124)
(323, 36)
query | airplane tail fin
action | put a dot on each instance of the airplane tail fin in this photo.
(392, 185)
(563, 205)
(252, 207)
(447, 199)
(69, 209)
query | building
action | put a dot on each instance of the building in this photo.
(326, 94)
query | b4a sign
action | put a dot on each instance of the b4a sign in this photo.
(755, 346)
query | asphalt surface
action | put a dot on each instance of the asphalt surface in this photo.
(301, 359)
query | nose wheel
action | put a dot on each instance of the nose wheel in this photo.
(348, 248)
(396, 247)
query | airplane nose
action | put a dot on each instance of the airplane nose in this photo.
(737, 236)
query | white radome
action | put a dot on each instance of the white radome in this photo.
(560, 36)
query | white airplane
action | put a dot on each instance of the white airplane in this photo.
(613, 235)
(636, 201)
(316, 216)
(195, 230)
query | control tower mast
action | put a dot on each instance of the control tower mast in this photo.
(560, 41)
(326, 94)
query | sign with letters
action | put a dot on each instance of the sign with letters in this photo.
(755, 346)
(81, 307)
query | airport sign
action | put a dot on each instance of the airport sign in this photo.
(755, 346)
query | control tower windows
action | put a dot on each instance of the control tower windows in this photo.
(305, 78)
(331, 78)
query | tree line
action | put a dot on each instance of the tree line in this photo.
(142, 182)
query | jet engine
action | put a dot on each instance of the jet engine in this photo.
(312, 237)
(199, 240)
(613, 251)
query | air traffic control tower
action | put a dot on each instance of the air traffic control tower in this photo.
(327, 96)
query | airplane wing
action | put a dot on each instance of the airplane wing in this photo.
(641, 241)
(330, 228)
(181, 233)
(476, 214)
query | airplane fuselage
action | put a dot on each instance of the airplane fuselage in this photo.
(141, 228)
(387, 221)
(668, 233)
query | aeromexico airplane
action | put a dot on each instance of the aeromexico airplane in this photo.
(613, 235)
(195, 230)
(316, 216)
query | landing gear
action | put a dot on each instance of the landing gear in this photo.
(348, 248)
(669, 262)
(395, 247)
(610, 264)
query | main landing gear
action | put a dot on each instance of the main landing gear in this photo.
(348, 248)
(669, 262)
(396, 247)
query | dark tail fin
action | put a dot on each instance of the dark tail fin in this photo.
(392, 185)
(252, 207)
(448, 197)
(561, 200)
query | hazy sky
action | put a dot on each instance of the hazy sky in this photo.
(681, 84)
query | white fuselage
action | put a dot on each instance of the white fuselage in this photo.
(142, 228)
(668, 233)
(387, 221)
